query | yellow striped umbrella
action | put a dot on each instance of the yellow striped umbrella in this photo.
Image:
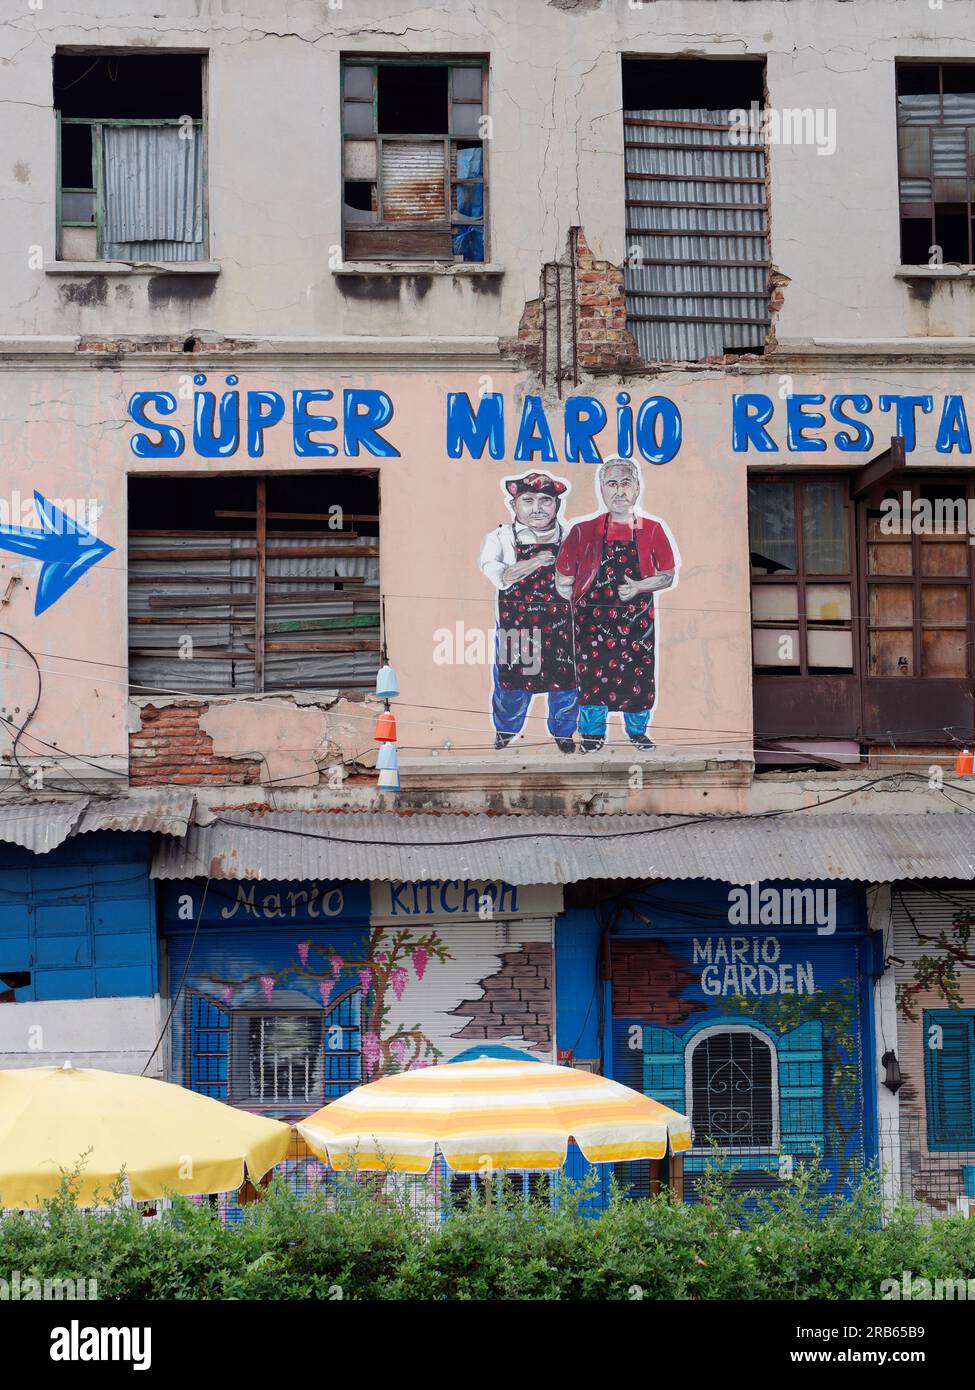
(491, 1114)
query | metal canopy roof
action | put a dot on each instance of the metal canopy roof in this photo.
(41, 826)
(555, 850)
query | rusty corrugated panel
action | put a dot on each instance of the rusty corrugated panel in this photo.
(413, 181)
(39, 826)
(553, 850)
(166, 811)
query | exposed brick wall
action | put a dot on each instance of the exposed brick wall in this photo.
(596, 318)
(605, 342)
(171, 748)
(648, 980)
(517, 999)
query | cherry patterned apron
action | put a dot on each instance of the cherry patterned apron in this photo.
(530, 607)
(614, 637)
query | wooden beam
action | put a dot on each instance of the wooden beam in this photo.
(880, 469)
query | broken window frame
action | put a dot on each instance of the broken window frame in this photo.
(249, 639)
(97, 123)
(386, 229)
(910, 211)
(644, 304)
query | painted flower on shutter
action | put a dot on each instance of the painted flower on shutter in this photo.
(398, 1048)
(420, 958)
(228, 993)
(267, 985)
(338, 965)
(370, 1051)
(325, 990)
(398, 979)
(303, 951)
(365, 980)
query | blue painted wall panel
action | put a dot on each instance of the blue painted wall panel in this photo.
(81, 920)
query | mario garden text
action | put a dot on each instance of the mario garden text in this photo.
(362, 422)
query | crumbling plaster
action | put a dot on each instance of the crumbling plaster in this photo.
(555, 157)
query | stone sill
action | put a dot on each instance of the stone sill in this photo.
(935, 272)
(132, 268)
(413, 268)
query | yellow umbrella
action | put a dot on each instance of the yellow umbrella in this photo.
(491, 1114)
(166, 1138)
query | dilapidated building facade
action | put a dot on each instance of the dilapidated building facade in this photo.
(605, 369)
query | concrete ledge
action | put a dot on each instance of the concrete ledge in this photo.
(935, 272)
(132, 268)
(405, 268)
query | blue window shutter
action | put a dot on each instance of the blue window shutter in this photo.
(663, 1066)
(343, 1046)
(208, 1053)
(801, 1089)
(949, 1077)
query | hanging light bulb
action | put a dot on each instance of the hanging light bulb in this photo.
(387, 686)
(386, 760)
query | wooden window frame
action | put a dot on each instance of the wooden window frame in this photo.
(258, 625)
(387, 229)
(914, 211)
(915, 580)
(801, 579)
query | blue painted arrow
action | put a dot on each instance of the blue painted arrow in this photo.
(65, 550)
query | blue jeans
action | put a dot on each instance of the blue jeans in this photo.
(509, 709)
(593, 718)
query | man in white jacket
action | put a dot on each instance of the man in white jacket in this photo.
(533, 650)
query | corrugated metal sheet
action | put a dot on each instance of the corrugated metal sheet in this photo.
(413, 181)
(39, 826)
(153, 194)
(154, 660)
(550, 850)
(167, 811)
(707, 234)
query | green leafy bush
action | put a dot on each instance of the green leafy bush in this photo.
(350, 1241)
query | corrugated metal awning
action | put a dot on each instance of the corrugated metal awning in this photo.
(41, 826)
(293, 846)
(166, 810)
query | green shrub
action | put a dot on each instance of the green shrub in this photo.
(346, 1242)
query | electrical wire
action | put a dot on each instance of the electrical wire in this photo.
(20, 730)
(182, 981)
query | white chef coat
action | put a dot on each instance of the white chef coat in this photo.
(499, 548)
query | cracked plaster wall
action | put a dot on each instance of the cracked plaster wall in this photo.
(555, 157)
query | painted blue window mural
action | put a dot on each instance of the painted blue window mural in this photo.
(949, 1077)
(287, 995)
(759, 1029)
(78, 923)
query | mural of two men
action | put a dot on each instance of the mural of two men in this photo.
(576, 616)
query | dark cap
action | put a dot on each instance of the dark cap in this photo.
(536, 482)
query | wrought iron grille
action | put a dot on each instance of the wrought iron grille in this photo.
(731, 1084)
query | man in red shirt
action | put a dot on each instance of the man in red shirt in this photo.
(609, 567)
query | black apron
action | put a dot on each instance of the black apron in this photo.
(528, 608)
(615, 637)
